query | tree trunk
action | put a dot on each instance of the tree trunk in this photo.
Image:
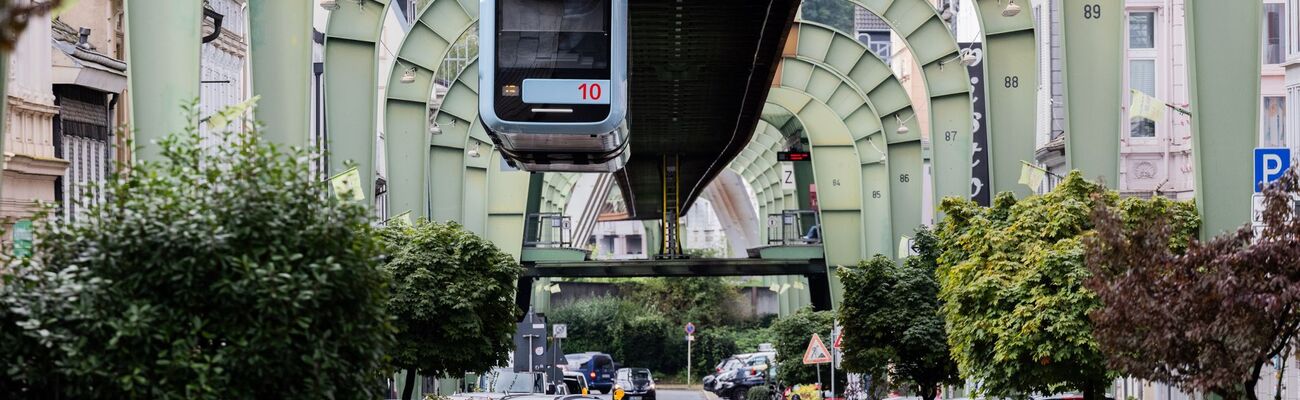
(928, 391)
(1281, 371)
(1092, 392)
(410, 384)
(1251, 383)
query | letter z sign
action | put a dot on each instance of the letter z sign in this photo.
(1270, 164)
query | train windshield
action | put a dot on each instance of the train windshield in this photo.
(557, 44)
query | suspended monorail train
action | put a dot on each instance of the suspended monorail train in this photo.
(553, 82)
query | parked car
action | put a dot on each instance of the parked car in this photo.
(710, 381)
(755, 372)
(637, 383)
(575, 383)
(598, 367)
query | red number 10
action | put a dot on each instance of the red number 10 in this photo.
(590, 91)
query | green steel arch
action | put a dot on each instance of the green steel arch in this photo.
(873, 80)
(410, 147)
(947, 85)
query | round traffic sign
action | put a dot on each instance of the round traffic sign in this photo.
(690, 328)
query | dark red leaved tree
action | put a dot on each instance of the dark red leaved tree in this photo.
(1203, 316)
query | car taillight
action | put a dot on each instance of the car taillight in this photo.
(593, 374)
(753, 372)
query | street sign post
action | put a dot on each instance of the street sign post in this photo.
(560, 331)
(690, 338)
(816, 354)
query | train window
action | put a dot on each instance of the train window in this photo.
(553, 60)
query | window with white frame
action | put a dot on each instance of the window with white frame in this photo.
(1292, 33)
(1274, 37)
(1292, 115)
(1142, 66)
(1272, 132)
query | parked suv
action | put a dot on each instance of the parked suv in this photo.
(597, 367)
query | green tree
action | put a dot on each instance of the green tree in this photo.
(1012, 282)
(793, 332)
(634, 334)
(701, 300)
(891, 320)
(452, 296)
(837, 14)
(217, 273)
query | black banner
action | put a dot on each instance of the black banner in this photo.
(979, 187)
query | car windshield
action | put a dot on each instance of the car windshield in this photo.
(515, 382)
(730, 364)
(760, 360)
(640, 375)
(574, 386)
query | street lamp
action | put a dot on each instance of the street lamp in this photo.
(1012, 9)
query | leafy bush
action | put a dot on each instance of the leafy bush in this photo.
(636, 336)
(217, 273)
(701, 300)
(759, 393)
(453, 299)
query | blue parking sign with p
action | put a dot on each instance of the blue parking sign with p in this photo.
(1270, 164)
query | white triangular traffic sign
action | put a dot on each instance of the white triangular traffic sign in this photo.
(816, 353)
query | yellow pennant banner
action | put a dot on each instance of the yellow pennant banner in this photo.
(1141, 105)
(347, 185)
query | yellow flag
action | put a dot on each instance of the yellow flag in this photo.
(1031, 176)
(401, 219)
(347, 185)
(1141, 105)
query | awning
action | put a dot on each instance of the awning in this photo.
(76, 66)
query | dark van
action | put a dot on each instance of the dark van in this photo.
(597, 367)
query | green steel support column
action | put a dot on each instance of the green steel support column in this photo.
(351, 76)
(837, 170)
(1094, 65)
(1011, 84)
(162, 51)
(281, 58)
(505, 207)
(653, 235)
(1224, 70)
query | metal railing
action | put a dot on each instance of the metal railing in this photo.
(794, 227)
(547, 230)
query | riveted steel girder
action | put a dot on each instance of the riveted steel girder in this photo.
(351, 66)
(163, 57)
(947, 84)
(1224, 70)
(1094, 79)
(1011, 83)
(280, 31)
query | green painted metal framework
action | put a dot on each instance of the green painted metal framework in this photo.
(831, 91)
